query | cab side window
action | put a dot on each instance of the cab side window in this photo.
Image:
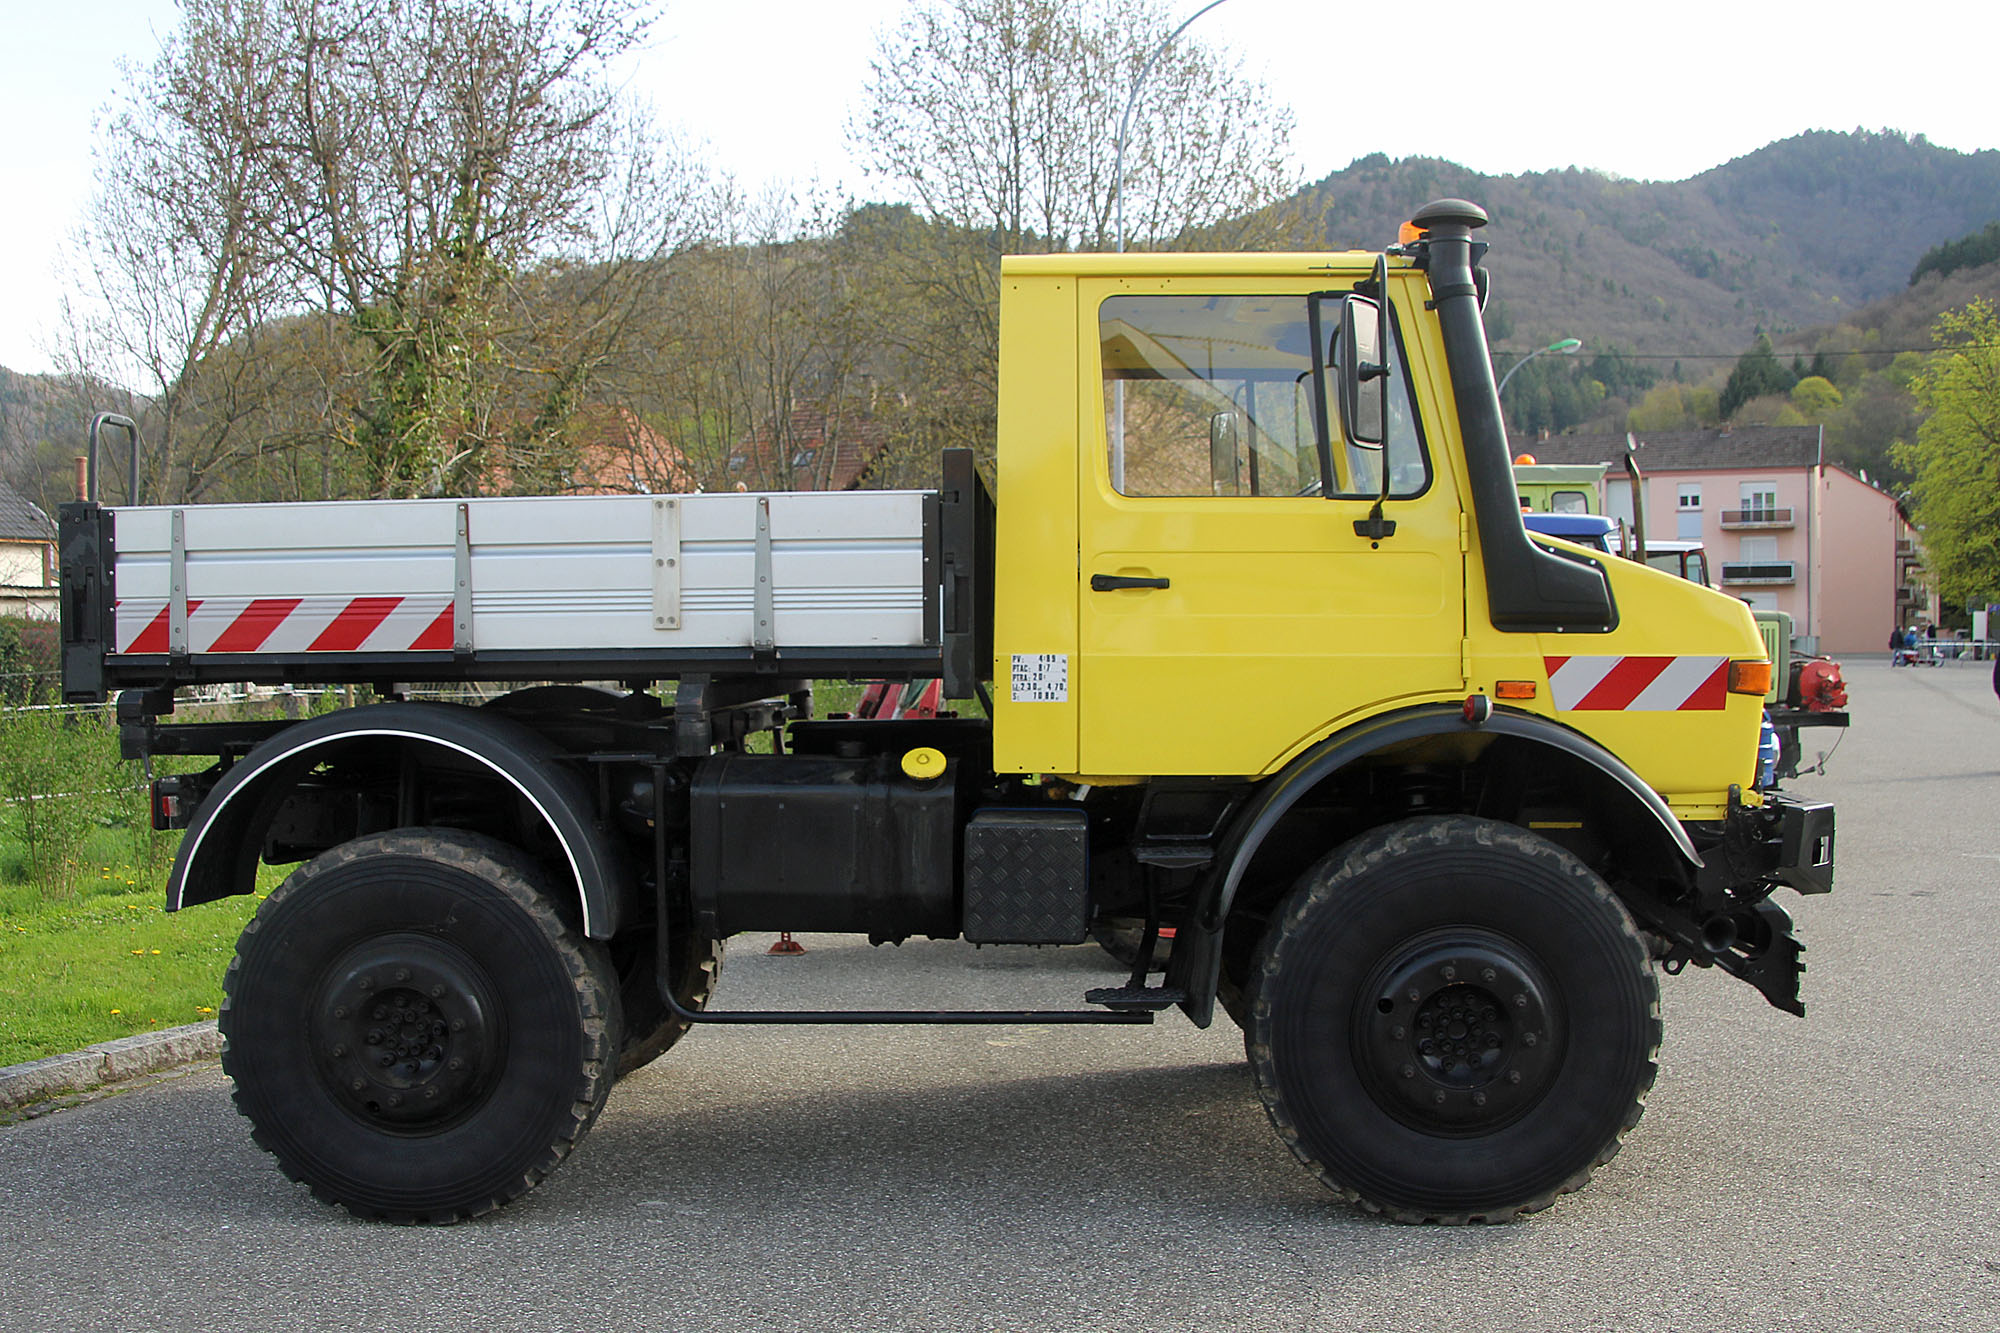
(1211, 395)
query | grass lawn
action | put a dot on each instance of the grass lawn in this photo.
(109, 960)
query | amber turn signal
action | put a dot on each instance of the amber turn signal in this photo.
(1513, 689)
(1749, 677)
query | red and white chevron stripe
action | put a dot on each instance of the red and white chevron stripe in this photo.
(1638, 684)
(293, 625)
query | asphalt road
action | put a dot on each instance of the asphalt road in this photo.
(1836, 1172)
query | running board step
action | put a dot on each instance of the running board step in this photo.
(1136, 998)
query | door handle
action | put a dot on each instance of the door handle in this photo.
(1113, 582)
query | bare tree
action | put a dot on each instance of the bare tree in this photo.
(1000, 118)
(448, 195)
(759, 376)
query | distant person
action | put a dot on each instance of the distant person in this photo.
(1895, 646)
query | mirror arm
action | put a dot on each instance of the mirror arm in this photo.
(1322, 427)
(1379, 527)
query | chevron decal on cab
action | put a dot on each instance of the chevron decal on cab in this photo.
(1638, 684)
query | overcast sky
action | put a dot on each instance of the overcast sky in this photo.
(1655, 92)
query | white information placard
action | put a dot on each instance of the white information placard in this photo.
(1039, 678)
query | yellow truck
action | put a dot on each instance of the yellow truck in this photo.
(1262, 655)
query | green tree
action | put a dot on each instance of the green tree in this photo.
(1815, 397)
(1956, 456)
(1757, 374)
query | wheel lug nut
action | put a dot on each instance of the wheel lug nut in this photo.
(381, 1012)
(1415, 995)
(395, 1099)
(374, 1036)
(1529, 1038)
(385, 1060)
(340, 1011)
(458, 1025)
(454, 1063)
(437, 992)
(1487, 974)
(402, 974)
(1450, 973)
(1438, 1097)
(1409, 1071)
(430, 1094)
(358, 1084)
(339, 1051)
(1514, 1076)
(1398, 1032)
(366, 983)
(1520, 1001)
(1479, 1099)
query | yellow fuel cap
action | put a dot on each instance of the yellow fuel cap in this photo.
(924, 762)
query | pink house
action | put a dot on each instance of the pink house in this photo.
(1784, 529)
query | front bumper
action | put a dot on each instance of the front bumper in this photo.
(1728, 920)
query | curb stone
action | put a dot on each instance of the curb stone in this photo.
(24, 1085)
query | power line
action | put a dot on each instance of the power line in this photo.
(1737, 356)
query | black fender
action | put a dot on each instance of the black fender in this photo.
(1272, 801)
(218, 856)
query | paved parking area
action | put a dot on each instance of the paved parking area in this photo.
(1836, 1172)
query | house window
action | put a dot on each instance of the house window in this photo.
(1687, 521)
(804, 457)
(1760, 500)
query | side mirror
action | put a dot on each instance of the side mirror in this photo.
(1224, 430)
(1362, 410)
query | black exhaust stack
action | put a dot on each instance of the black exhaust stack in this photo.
(1527, 587)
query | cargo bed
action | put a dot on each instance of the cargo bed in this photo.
(789, 584)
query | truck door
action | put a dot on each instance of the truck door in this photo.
(1230, 611)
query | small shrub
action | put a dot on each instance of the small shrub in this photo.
(29, 662)
(56, 767)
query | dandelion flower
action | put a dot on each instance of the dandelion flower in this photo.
(117, 1011)
(138, 953)
(156, 951)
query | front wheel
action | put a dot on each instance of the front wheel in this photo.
(415, 1030)
(1453, 1020)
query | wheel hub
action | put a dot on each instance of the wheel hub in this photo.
(1459, 1033)
(407, 1033)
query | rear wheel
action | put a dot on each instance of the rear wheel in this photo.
(1453, 1020)
(415, 1030)
(651, 1028)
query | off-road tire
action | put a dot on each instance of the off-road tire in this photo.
(415, 1030)
(1453, 1020)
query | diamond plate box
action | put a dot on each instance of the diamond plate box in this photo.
(1027, 877)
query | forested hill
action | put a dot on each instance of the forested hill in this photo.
(1799, 233)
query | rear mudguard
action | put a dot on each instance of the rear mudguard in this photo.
(219, 855)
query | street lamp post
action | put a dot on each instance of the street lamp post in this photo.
(1564, 346)
(1125, 121)
(1118, 193)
